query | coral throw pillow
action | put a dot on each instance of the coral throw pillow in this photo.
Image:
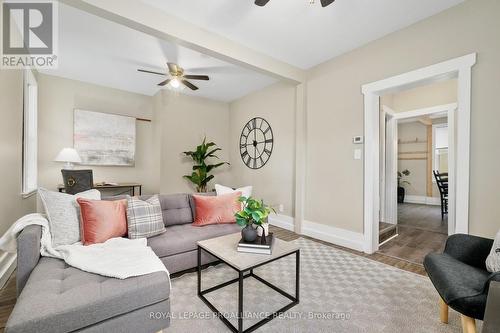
(215, 210)
(102, 220)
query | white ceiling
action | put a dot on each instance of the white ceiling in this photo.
(94, 50)
(298, 33)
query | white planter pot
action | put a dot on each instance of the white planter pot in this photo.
(266, 229)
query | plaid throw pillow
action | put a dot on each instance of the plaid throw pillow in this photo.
(144, 218)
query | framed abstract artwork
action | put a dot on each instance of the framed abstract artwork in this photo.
(104, 139)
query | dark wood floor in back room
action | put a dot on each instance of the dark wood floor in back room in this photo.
(420, 231)
(8, 293)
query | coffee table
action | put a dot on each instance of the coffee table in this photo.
(224, 248)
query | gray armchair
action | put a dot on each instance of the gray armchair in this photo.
(461, 279)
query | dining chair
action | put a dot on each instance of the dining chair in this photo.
(442, 184)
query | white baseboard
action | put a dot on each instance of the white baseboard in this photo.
(337, 236)
(8, 262)
(423, 200)
(282, 221)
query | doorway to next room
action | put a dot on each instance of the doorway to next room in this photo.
(416, 132)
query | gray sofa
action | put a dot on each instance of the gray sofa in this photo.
(54, 297)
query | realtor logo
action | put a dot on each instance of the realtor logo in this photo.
(29, 34)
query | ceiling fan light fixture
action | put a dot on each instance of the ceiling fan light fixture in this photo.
(176, 79)
(175, 83)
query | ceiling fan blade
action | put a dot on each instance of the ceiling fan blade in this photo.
(173, 68)
(164, 83)
(189, 85)
(325, 3)
(150, 72)
(197, 77)
(261, 2)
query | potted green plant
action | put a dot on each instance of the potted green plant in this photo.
(201, 169)
(253, 214)
(401, 182)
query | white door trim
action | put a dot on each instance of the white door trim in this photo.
(460, 68)
(425, 111)
(383, 117)
(391, 203)
(392, 160)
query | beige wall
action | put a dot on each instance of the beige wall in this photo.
(418, 168)
(182, 122)
(334, 180)
(58, 97)
(12, 205)
(275, 181)
(334, 188)
(440, 93)
(179, 123)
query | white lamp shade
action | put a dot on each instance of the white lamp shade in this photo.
(68, 155)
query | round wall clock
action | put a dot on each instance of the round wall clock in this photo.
(256, 143)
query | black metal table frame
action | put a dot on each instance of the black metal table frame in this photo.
(128, 188)
(239, 279)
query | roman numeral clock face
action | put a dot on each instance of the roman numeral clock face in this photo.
(256, 143)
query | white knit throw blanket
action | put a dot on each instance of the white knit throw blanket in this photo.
(118, 257)
(493, 260)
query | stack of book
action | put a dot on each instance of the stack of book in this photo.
(257, 246)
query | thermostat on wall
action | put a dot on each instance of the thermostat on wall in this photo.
(357, 140)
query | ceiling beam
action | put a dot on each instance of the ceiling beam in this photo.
(152, 21)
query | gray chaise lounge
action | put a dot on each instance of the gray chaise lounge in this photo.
(54, 297)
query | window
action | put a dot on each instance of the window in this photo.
(30, 142)
(440, 148)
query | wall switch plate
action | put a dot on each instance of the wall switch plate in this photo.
(357, 154)
(357, 140)
(281, 208)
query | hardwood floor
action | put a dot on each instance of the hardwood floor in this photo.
(420, 231)
(424, 217)
(386, 231)
(8, 293)
(413, 244)
(380, 257)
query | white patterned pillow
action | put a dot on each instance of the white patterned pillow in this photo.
(144, 218)
(493, 260)
(245, 191)
(63, 213)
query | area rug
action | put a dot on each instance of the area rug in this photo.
(340, 292)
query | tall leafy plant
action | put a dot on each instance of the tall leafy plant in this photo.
(201, 169)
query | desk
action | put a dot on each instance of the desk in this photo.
(124, 187)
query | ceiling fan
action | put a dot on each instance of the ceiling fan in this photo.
(324, 3)
(177, 77)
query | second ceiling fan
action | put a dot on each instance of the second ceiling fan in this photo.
(324, 3)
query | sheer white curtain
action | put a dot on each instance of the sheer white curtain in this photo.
(440, 143)
(30, 137)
